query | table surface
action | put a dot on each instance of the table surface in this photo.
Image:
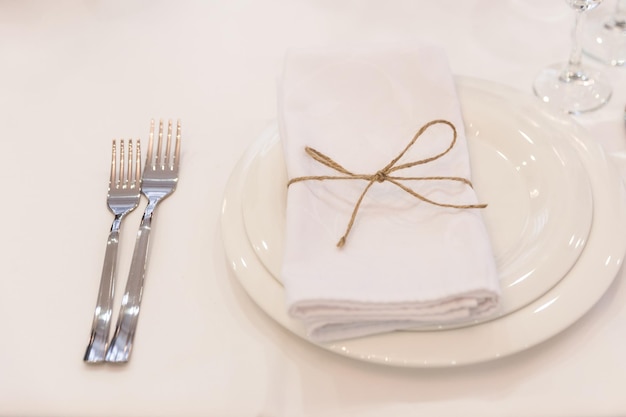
(76, 74)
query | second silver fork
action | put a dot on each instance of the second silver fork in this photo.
(123, 197)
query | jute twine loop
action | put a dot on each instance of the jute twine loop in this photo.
(384, 175)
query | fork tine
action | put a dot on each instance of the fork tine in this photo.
(177, 147)
(158, 158)
(168, 146)
(129, 164)
(137, 164)
(123, 168)
(124, 163)
(149, 161)
(113, 166)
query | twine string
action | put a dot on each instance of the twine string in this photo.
(384, 175)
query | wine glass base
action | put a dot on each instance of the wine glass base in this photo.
(573, 92)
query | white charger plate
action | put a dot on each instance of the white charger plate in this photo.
(559, 305)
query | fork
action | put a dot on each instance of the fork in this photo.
(123, 197)
(159, 180)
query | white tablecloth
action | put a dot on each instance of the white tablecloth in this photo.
(76, 74)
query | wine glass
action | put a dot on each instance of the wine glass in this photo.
(573, 87)
(605, 37)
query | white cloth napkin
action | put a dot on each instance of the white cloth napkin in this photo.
(406, 263)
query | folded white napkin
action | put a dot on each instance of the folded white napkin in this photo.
(405, 262)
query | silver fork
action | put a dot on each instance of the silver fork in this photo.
(123, 197)
(159, 180)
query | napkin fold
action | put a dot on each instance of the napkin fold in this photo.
(408, 260)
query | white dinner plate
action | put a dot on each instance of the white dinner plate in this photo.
(539, 200)
(558, 307)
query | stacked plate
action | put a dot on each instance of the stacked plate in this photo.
(556, 216)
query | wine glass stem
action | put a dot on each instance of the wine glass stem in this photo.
(576, 53)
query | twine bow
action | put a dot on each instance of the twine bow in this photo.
(385, 175)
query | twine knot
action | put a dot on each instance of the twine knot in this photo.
(385, 175)
(380, 176)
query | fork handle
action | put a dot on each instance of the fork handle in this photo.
(121, 345)
(100, 327)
